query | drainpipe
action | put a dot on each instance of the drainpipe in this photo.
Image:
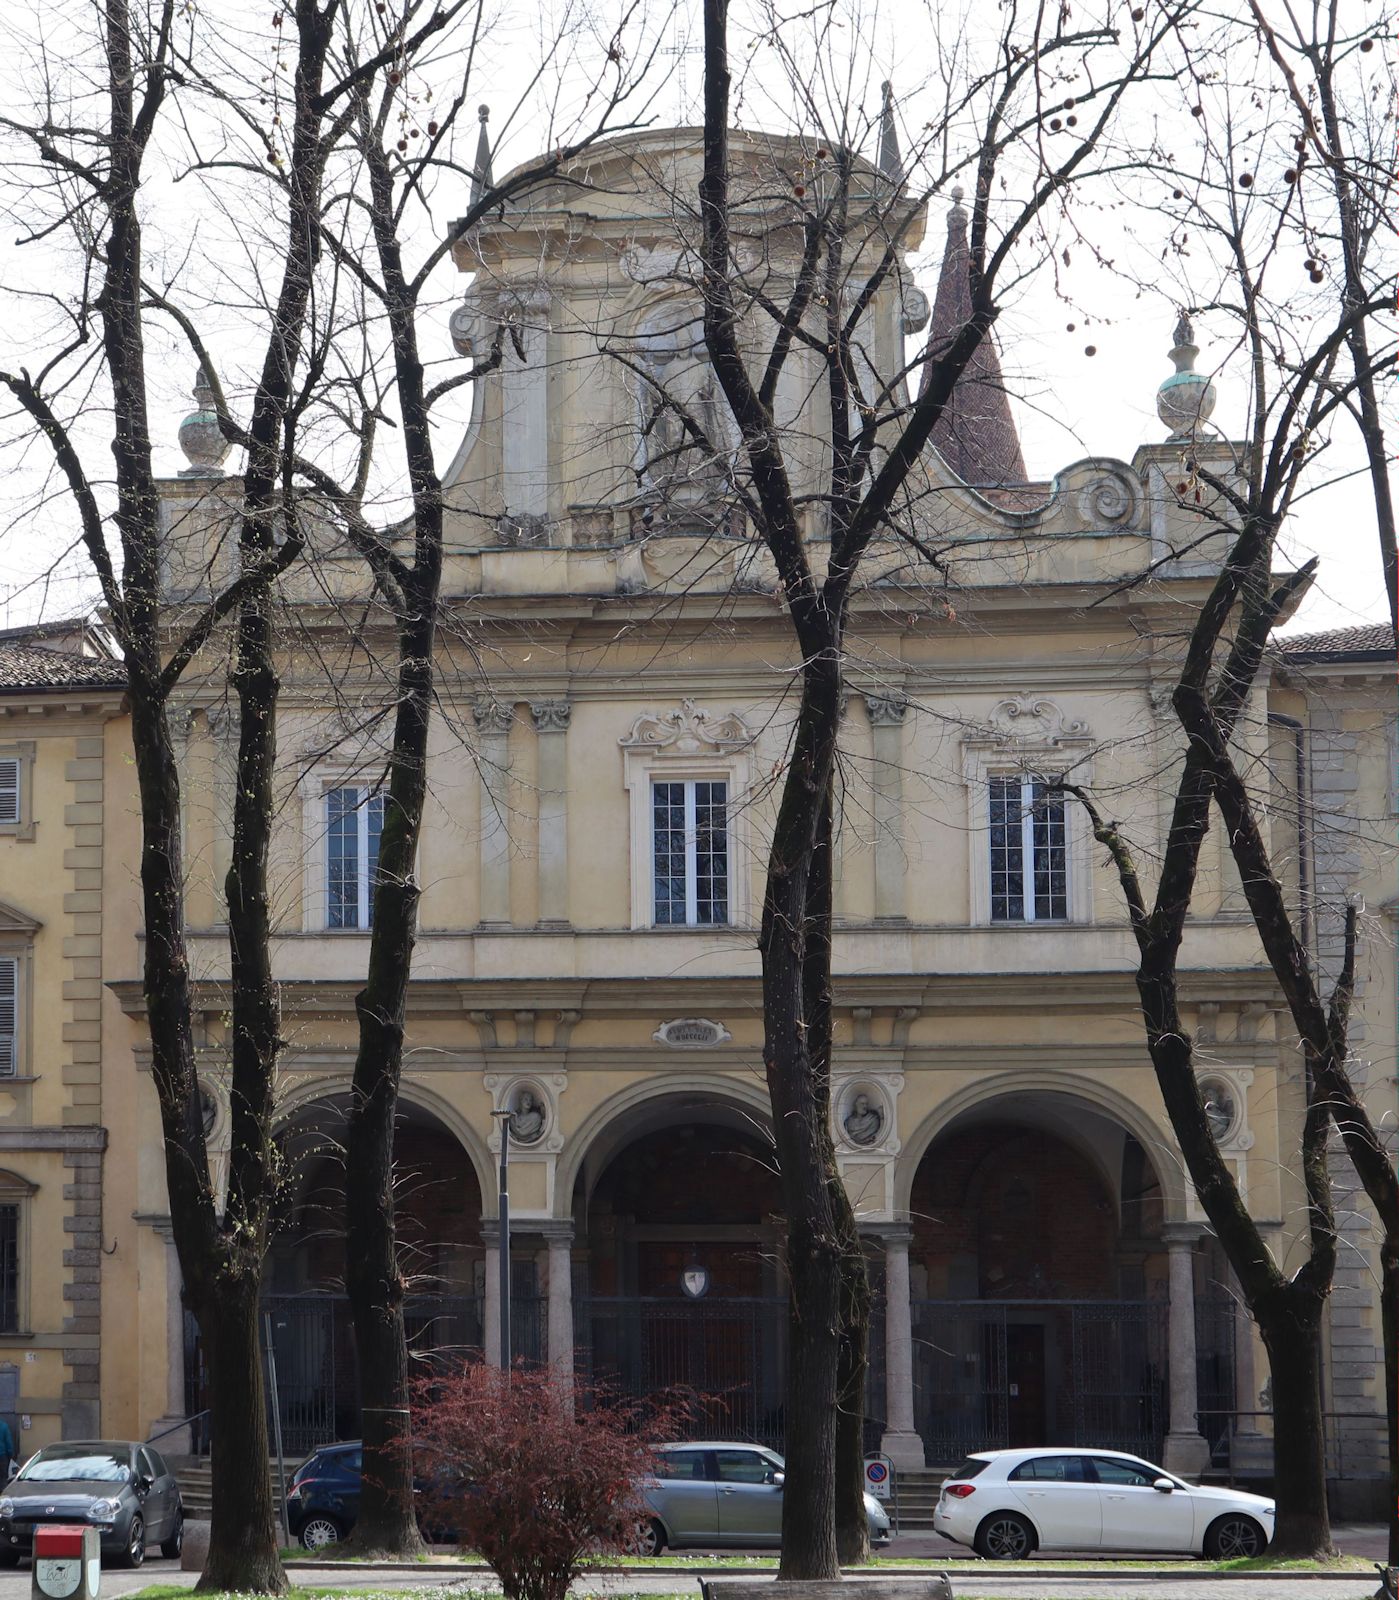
(1304, 871)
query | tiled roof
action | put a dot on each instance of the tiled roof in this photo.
(33, 666)
(1367, 639)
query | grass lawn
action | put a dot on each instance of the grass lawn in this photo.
(717, 1565)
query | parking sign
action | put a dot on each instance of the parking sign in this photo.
(879, 1476)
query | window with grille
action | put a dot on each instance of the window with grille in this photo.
(9, 790)
(9, 1269)
(354, 821)
(1029, 858)
(690, 852)
(9, 1016)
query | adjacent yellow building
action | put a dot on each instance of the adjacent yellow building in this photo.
(615, 673)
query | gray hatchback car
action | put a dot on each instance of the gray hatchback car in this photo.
(723, 1494)
(123, 1489)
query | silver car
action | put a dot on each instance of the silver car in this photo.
(723, 1494)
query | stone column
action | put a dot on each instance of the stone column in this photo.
(901, 1442)
(1186, 1451)
(1252, 1448)
(560, 1241)
(490, 1302)
(886, 714)
(176, 1443)
(493, 719)
(551, 726)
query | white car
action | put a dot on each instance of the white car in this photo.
(1007, 1503)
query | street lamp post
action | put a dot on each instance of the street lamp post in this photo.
(503, 1117)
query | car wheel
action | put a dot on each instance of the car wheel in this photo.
(1235, 1538)
(319, 1532)
(135, 1552)
(648, 1538)
(1004, 1537)
(176, 1542)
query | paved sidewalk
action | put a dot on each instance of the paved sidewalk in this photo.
(1094, 1579)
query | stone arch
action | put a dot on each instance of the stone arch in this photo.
(1090, 1092)
(412, 1092)
(608, 1127)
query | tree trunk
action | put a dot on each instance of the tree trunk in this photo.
(243, 1539)
(798, 1086)
(852, 1522)
(1290, 1324)
(1389, 1322)
(373, 1273)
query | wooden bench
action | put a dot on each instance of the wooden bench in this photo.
(863, 1588)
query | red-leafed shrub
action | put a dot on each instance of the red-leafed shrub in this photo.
(534, 1483)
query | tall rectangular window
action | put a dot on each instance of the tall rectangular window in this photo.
(354, 819)
(690, 852)
(9, 790)
(9, 1269)
(1029, 864)
(9, 1016)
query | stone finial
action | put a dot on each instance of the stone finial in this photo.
(200, 436)
(482, 179)
(891, 161)
(1186, 399)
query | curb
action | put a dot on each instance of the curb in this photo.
(1002, 1573)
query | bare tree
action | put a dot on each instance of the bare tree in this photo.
(845, 226)
(81, 173)
(1253, 215)
(399, 181)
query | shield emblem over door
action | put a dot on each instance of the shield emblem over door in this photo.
(695, 1281)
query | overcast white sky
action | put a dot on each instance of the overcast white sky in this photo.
(1068, 405)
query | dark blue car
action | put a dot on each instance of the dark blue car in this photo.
(323, 1501)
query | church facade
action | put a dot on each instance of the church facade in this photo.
(615, 690)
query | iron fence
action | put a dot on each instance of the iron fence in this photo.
(727, 1357)
(995, 1373)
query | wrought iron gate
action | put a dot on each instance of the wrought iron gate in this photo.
(993, 1373)
(727, 1357)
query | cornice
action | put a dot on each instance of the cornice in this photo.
(1075, 991)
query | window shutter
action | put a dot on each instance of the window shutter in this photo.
(9, 790)
(9, 1015)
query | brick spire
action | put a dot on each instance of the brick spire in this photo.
(976, 434)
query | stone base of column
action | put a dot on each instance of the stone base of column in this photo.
(1186, 1454)
(905, 1450)
(174, 1443)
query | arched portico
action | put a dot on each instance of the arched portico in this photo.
(438, 1215)
(1051, 1279)
(677, 1266)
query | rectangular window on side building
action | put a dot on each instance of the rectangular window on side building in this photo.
(9, 1268)
(9, 791)
(1029, 852)
(690, 852)
(9, 1016)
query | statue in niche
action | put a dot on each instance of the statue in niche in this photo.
(526, 1119)
(1219, 1109)
(676, 378)
(863, 1121)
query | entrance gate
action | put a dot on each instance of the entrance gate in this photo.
(995, 1373)
(726, 1357)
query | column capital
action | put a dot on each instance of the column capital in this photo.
(886, 710)
(1181, 1235)
(555, 1230)
(492, 715)
(550, 716)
